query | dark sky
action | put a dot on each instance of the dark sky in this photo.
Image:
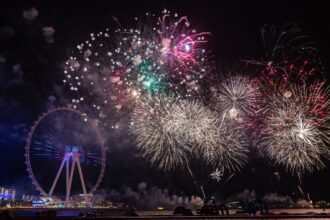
(32, 72)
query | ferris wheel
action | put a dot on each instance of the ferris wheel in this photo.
(65, 154)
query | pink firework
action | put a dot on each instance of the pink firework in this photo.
(113, 69)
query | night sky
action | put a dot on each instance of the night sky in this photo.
(31, 73)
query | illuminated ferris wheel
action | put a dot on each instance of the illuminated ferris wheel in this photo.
(65, 154)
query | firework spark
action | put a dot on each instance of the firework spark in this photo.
(297, 132)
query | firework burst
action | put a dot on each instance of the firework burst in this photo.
(289, 55)
(217, 175)
(297, 132)
(192, 122)
(155, 142)
(217, 141)
(153, 56)
(236, 97)
(186, 128)
(230, 149)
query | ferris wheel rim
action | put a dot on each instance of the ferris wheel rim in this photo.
(28, 146)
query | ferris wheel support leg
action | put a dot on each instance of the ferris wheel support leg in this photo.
(67, 174)
(57, 176)
(82, 179)
(67, 198)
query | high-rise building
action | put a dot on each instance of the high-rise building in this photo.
(7, 194)
(30, 198)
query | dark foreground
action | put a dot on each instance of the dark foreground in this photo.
(46, 214)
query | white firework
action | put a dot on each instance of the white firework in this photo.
(217, 174)
(236, 97)
(230, 150)
(155, 142)
(193, 123)
(181, 128)
(297, 133)
(219, 141)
